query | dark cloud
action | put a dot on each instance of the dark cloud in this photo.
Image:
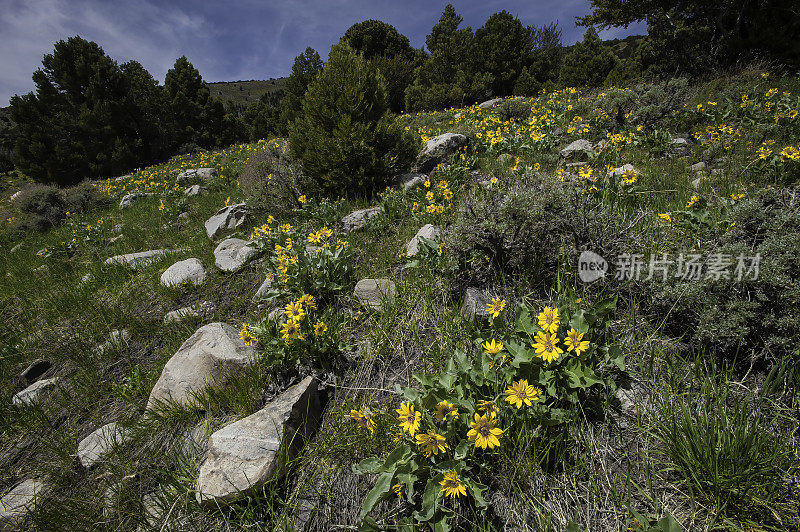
(241, 39)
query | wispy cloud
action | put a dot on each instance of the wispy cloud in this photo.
(239, 39)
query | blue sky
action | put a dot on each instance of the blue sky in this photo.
(233, 40)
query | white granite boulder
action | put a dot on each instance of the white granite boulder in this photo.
(184, 271)
(373, 292)
(227, 219)
(409, 181)
(438, 150)
(193, 190)
(429, 231)
(578, 149)
(17, 503)
(474, 304)
(208, 358)
(195, 174)
(35, 392)
(488, 104)
(94, 447)
(357, 219)
(140, 259)
(232, 254)
(246, 454)
(129, 199)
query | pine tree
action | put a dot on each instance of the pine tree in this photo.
(198, 117)
(588, 62)
(305, 68)
(345, 137)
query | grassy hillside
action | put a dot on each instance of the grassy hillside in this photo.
(245, 92)
(681, 413)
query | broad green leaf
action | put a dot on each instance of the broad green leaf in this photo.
(524, 323)
(462, 449)
(476, 489)
(429, 497)
(382, 486)
(368, 465)
(578, 322)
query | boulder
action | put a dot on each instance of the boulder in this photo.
(208, 358)
(409, 181)
(357, 219)
(232, 254)
(35, 392)
(577, 149)
(129, 199)
(246, 454)
(16, 504)
(116, 339)
(438, 150)
(373, 292)
(122, 178)
(227, 219)
(488, 104)
(184, 271)
(679, 143)
(200, 309)
(429, 231)
(94, 447)
(15, 196)
(194, 190)
(505, 158)
(457, 116)
(699, 167)
(474, 304)
(195, 174)
(140, 259)
(34, 371)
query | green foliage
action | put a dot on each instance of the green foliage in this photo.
(588, 63)
(41, 207)
(726, 451)
(270, 181)
(305, 68)
(346, 139)
(503, 46)
(443, 406)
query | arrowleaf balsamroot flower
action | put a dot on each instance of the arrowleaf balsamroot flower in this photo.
(409, 419)
(484, 431)
(548, 320)
(547, 346)
(320, 328)
(363, 419)
(493, 347)
(496, 306)
(452, 485)
(575, 342)
(295, 310)
(432, 443)
(444, 409)
(487, 406)
(521, 392)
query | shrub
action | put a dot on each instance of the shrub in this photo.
(346, 139)
(41, 208)
(523, 231)
(270, 181)
(754, 319)
(85, 197)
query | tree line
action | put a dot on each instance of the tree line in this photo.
(92, 117)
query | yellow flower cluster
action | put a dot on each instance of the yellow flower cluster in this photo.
(296, 312)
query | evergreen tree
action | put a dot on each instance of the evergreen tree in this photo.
(345, 137)
(588, 62)
(199, 118)
(504, 47)
(305, 68)
(389, 51)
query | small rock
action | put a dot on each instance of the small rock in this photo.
(438, 150)
(227, 219)
(474, 304)
(195, 174)
(116, 339)
(505, 158)
(194, 190)
(16, 504)
(357, 219)
(262, 290)
(246, 454)
(15, 248)
(696, 183)
(409, 181)
(208, 358)
(373, 292)
(457, 116)
(183, 216)
(15, 196)
(232, 254)
(129, 199)
(184, 271)
(679, 142)
(140, 259)
(577, 149)
(35, 392)
(122, 178)
(87, 278)
(699, 167)
(42, 271)
(557, 132)
(429, 231)
(114, 239)
(34, 371)
(275, 314)
(94, 447)
(201, 309)
(488, 104)
(617, 172)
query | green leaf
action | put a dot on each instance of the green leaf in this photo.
(521, 354)
(429, 498)
(476, 489)
(615, 356)
(668, 524)
(578, 322)
(441, 524)
(581, 376)
(368, 465)
(572, 526)
(381, 488)
(524, 323)
(462, 449)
